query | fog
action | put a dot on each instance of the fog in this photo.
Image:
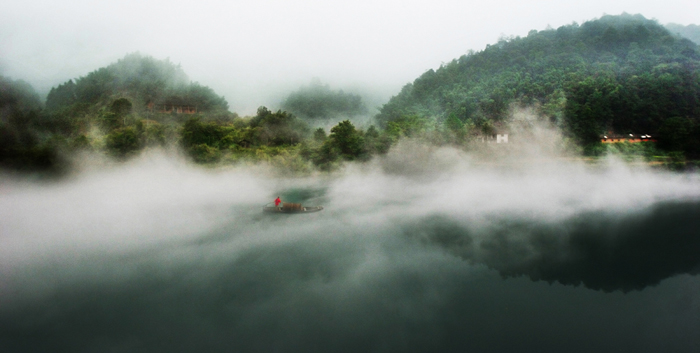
(256, 52)
(494, 248)
(424, 249)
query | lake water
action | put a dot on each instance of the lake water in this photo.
(158, 256)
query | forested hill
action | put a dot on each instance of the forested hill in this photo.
(141, 80)
(691, 32)
(318, 102)
(624, 74)
(120, 109)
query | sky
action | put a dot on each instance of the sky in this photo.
(256, 52)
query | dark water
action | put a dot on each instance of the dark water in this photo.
(157, 258)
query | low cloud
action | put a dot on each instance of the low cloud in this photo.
(156, 255)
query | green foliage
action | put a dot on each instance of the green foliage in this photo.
(61, 96)
(646, 150)
(457, 130)
(82, 142)
(95, 86)
(208, 141)
(124, 142)
(194, 94)
(319, 135)
(691, 31)
(204, 153)
(345, 141)
(68, 120)
(679, 134)
(411, 125)
(116, 98)
(110, 121)
(21, 147)
(17, 96)
(277, 129)
(156, 134)
(318, 101)
(141, 78)
(121, 107)
(591, 107)
(195, 132)
(376, 143)
(624, 74)
(202, 140)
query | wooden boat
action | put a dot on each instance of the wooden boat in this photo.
(289, 207)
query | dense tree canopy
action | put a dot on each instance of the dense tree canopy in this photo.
(17, 96)
(142, 79)
(691, 32)
(618, 73)
(317, 101)
(20, 145)
(347, 140)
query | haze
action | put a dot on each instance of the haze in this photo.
(256, 52)
(156, 255)
(493, 248)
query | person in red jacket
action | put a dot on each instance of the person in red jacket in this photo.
(277, 201)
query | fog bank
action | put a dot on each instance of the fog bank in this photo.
(423, 249)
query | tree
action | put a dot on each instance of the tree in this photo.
(61, 96)
(318, 101)
(319, 135)
(141, 78)
(279, 128)
(624, 74)
(591, 108)
(347, 140)
(195, 132)
(121, 108)
(676, 134)
(124, 142)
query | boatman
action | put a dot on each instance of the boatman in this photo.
(277, 201)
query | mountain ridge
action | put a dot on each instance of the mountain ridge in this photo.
(618, 73)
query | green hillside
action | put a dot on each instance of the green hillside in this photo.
(21, 147)
(691, 32)
(620, 74)
(614, 75)
(118, 110)
(142, 80)
(318, 102)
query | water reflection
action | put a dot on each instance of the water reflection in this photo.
(174, 259)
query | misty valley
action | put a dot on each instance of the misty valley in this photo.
(157, 255)
(539, 195)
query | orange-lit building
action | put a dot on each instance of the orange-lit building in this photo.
(631, 138)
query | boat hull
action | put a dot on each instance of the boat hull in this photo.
(273, 209)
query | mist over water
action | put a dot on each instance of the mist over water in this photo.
(425, 249)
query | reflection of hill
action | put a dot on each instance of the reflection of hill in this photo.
(602, 251)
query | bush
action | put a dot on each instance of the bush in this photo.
(204, 153)
(124, 142)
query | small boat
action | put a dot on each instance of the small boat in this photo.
(289, 207)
